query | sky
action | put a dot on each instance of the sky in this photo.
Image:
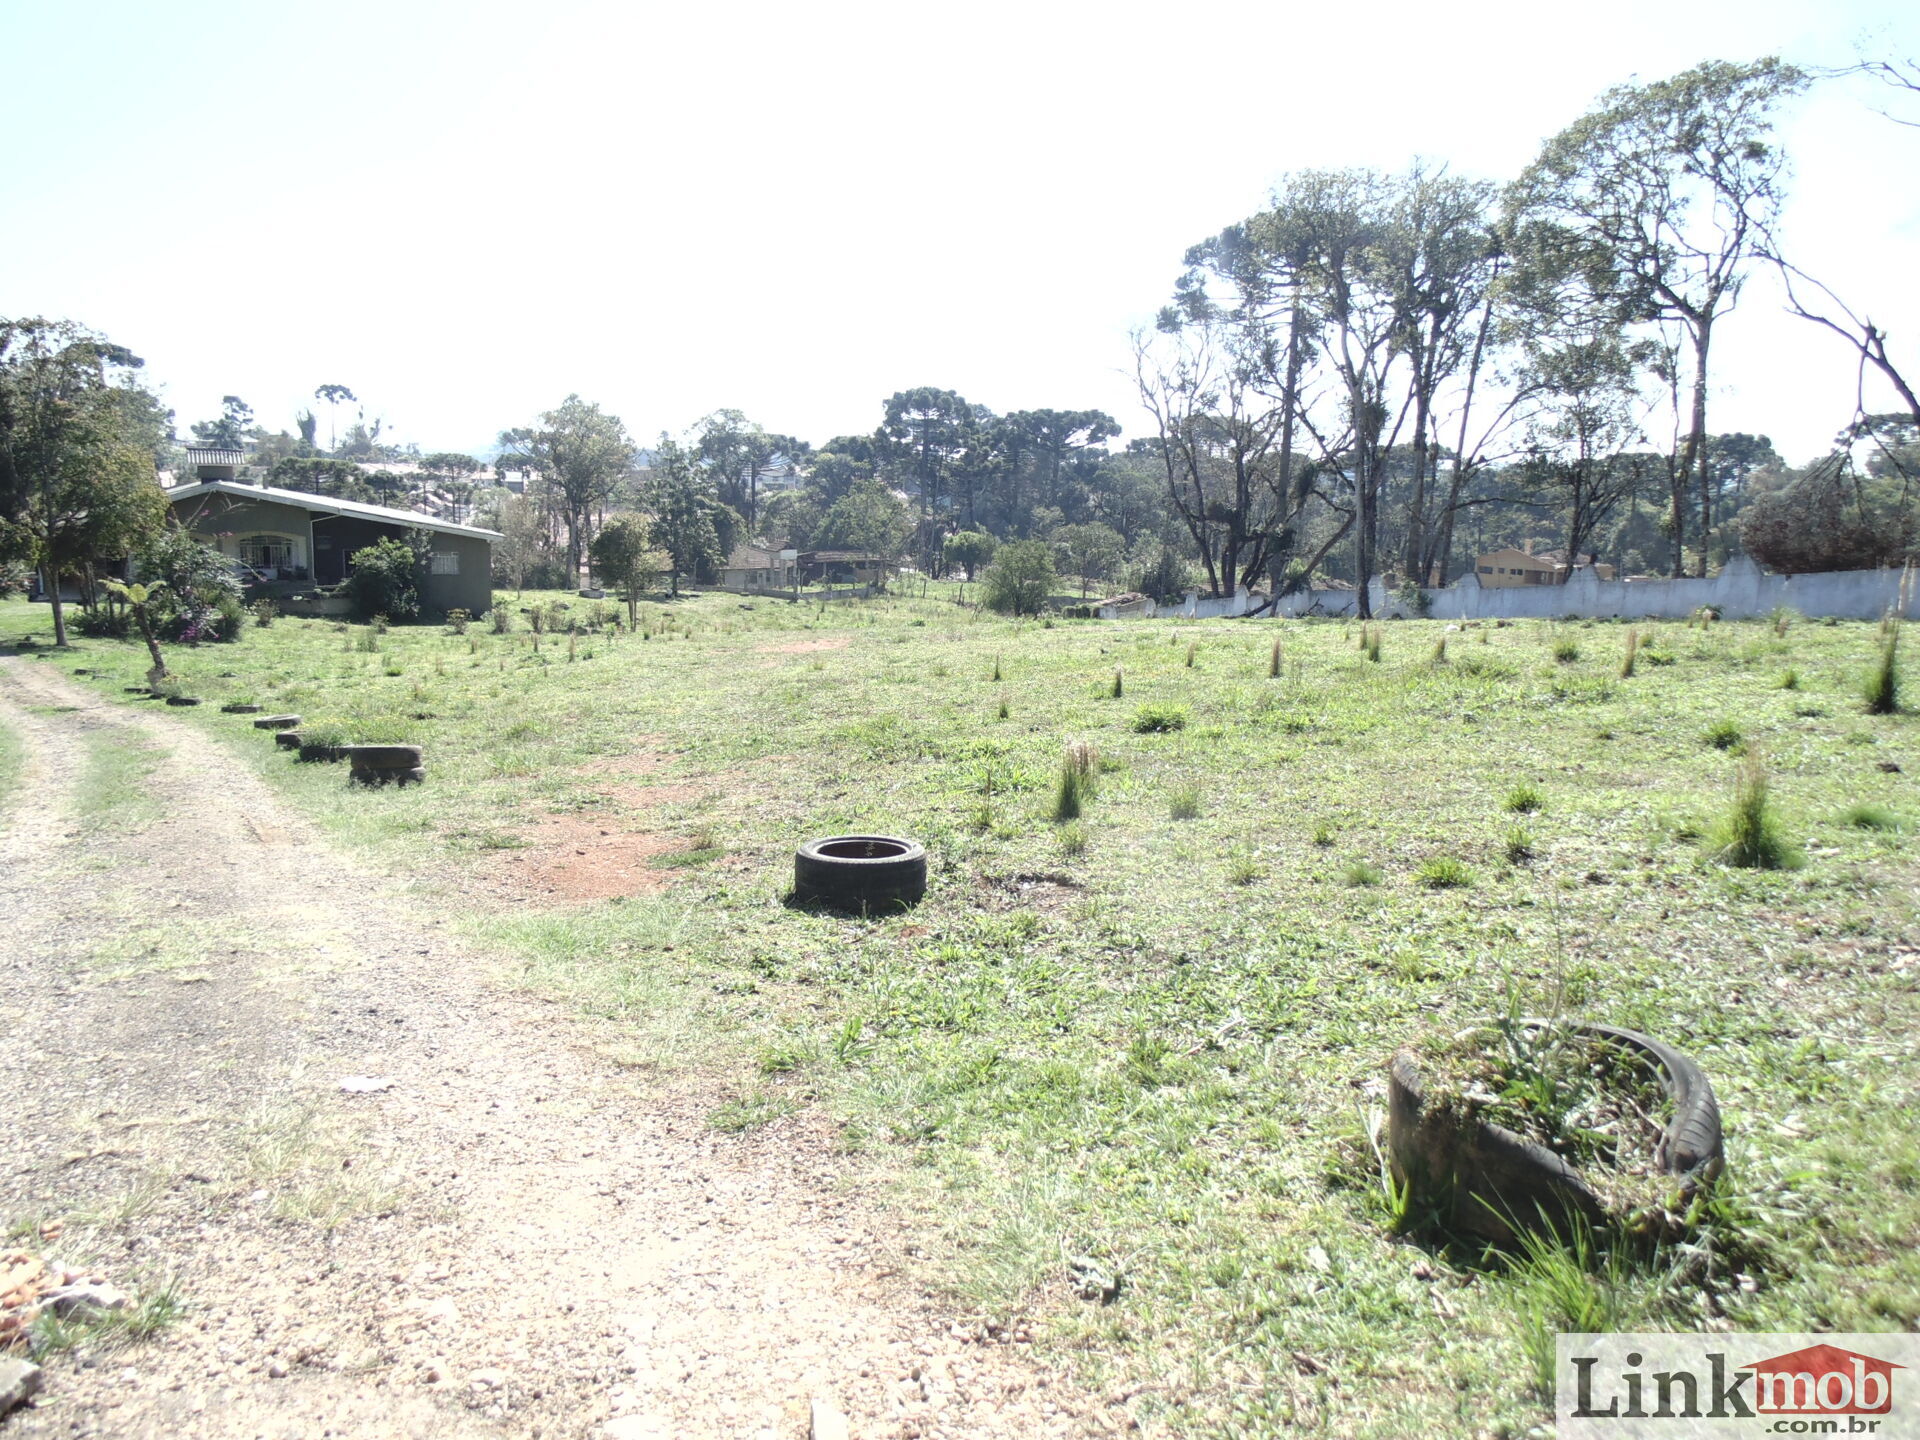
(467, 211)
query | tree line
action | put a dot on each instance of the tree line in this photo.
(1377, 375)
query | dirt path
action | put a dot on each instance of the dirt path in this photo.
(514, 1239)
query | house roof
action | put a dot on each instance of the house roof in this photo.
(843, 557)
(327, 505)
(214, 455)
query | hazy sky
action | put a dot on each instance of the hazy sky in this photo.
(466, 211)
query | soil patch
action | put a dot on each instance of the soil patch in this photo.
(588, 857)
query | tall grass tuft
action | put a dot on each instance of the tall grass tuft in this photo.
(1440, 649)
(1725, 735)
(1750, 836)
(1184, 802)
(1073, 840)
(1882, 691)
(1119, 686)
(996, 669)
(1070, 798)
(1273, 662)
(1790, 679)
(1565, 652)
(1633, 653)
(1003, 707)
(1192, 647)
(1372, 642)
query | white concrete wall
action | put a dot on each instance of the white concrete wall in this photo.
(1742, 591)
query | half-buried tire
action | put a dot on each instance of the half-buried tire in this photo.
(864, 873)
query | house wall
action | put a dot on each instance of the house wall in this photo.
(223, 520)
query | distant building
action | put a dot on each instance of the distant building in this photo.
(757, 566)
(1503, 568)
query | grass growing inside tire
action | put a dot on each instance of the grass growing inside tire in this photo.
(1116, 1049)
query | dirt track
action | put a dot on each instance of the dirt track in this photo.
(514, 1239)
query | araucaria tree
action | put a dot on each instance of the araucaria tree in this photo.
(78, 439)
(679, 499)
(578, 453)
(1659, 198)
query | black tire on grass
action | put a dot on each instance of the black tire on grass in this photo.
(862, 873)
(1483, 1179)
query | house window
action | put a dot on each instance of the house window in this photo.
(265, 552)
(1486, 570)
(446, 562)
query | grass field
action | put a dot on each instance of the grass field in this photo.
(1155, 1036)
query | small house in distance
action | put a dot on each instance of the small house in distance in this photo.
(1499, 569)
(287, 537)
(758, 566)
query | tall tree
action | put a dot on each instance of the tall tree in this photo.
(229, 432)
(333, 396)
(78, 439)
(681, 506)
(1663, 193)
(921, 440)
(578, 452)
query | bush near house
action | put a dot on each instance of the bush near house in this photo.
(384, 579)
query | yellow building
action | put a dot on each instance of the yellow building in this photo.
(1509, 567)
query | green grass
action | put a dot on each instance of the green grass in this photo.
(13, 759)
(113, 793)
(1123, 1052)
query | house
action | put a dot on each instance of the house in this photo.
(758, 566)
(843, 567)
(275, 535)
(1509, 567)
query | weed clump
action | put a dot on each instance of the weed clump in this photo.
(1869, 816)
(1725, 736)
(1790, 679)
(1524, 799)
(1323, 834)
(1370, 643)
(1565, 652)
(1159, 719)
(1360, 874)
(1073, 840)
(1519, 846)
(1633, 653)
(1750, 836)
(1184, 802)
(1242, 870)
(1443, 872)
